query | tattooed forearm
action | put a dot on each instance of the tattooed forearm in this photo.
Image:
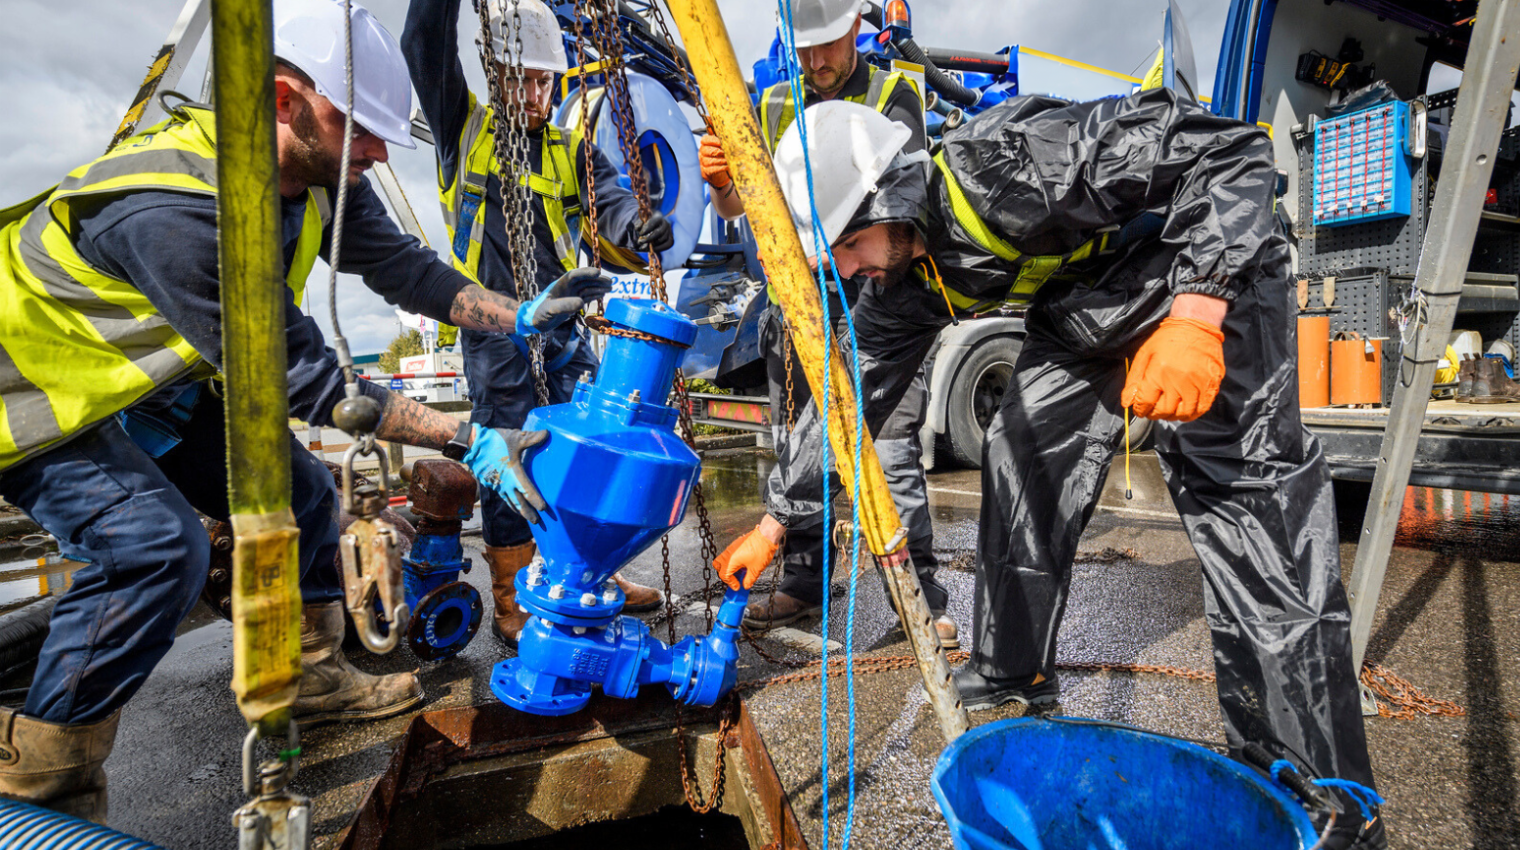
(480, 309)
(405, 421)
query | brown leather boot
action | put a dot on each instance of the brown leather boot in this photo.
(508, 620)
(641, 599)
(944, 628)
(1466, 369)
(1491, 384)
(768, 612)
(56, 766)
(333, 690)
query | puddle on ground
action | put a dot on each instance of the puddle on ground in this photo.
(732, 479)
(1488, 523)
(670, 828)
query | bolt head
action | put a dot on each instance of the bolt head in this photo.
(588, 600)
(609, 596)
(557, 592)
(580, 630)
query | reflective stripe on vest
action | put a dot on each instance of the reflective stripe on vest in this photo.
(77, 345)
(777, 110)
(1033, 272)
(777, 113)
(557, 186)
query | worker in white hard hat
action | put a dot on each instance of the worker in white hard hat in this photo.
(1139, 234)
(112, 429)
(500, 369)
(834, 70)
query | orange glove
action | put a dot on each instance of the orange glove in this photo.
(714, 162)
(750, 554)
(1177, 371)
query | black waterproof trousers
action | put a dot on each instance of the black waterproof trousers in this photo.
(804, 575)
(1250, 483)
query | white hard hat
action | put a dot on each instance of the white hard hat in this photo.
(850, 146)
(308, 35)
(543, 42)
(818, 22)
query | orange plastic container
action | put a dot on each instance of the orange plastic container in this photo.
(1356, 369)
(1313, 361)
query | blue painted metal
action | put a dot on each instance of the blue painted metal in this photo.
(1243, 59)
(1073, 784)
(446, 612)
(616, 478)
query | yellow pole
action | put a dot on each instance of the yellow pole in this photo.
(266, 595)
(722, 84)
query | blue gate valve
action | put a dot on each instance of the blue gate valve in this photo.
(616, 478)
(446, 612)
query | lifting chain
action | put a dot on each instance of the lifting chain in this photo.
(589, 232)
(1397, 697)
(607, 39)
(512, 150)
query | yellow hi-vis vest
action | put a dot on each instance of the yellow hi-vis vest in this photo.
(777, 111)
(77, 345)
(1033, 271)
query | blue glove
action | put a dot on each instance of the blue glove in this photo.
(495, 459)
(561, 300)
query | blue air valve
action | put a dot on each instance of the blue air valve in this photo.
(616, 478)
(446, 612)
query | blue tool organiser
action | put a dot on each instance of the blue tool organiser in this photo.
(1362, 166)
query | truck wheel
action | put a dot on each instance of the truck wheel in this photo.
(976, 393)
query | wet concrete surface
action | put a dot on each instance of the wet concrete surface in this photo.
(1447, 623)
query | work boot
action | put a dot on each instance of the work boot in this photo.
(507, 620)
(778, 610)
(640, 599)
(56, 766)
(332, 690)
(944, 628)
(1466, 369)
(979, 693)
(1491, 384)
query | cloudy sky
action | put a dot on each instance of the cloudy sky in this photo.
(68, 71)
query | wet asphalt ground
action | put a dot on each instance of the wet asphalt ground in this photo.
(1447, 623)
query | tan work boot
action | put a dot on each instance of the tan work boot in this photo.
(949, 635)
(334, 690)
(641, 599)
(769, 612)
(508, 620)
(54, 765)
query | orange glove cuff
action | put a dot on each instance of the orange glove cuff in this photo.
(1177, 372)
(750, 554)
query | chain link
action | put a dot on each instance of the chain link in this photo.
(512, 151)
(588, 170)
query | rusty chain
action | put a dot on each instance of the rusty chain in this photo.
(588, 166)
(688, 782)
(1391, 689)
(511, 150)
(608, 42)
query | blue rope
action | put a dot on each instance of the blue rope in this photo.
(1364, 797)
(823, 249)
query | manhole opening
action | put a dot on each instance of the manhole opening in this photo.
(490, 778)
(670, 828)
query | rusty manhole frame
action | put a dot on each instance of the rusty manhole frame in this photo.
(438, 740)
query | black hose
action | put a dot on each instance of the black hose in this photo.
(22, 632)
(967, 60)
(947, 86)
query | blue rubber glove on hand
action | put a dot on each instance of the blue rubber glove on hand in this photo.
(562, 299)
(495, 459)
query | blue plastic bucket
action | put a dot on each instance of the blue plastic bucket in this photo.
(1072, 784)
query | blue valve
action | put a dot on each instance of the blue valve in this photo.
(616, 478)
